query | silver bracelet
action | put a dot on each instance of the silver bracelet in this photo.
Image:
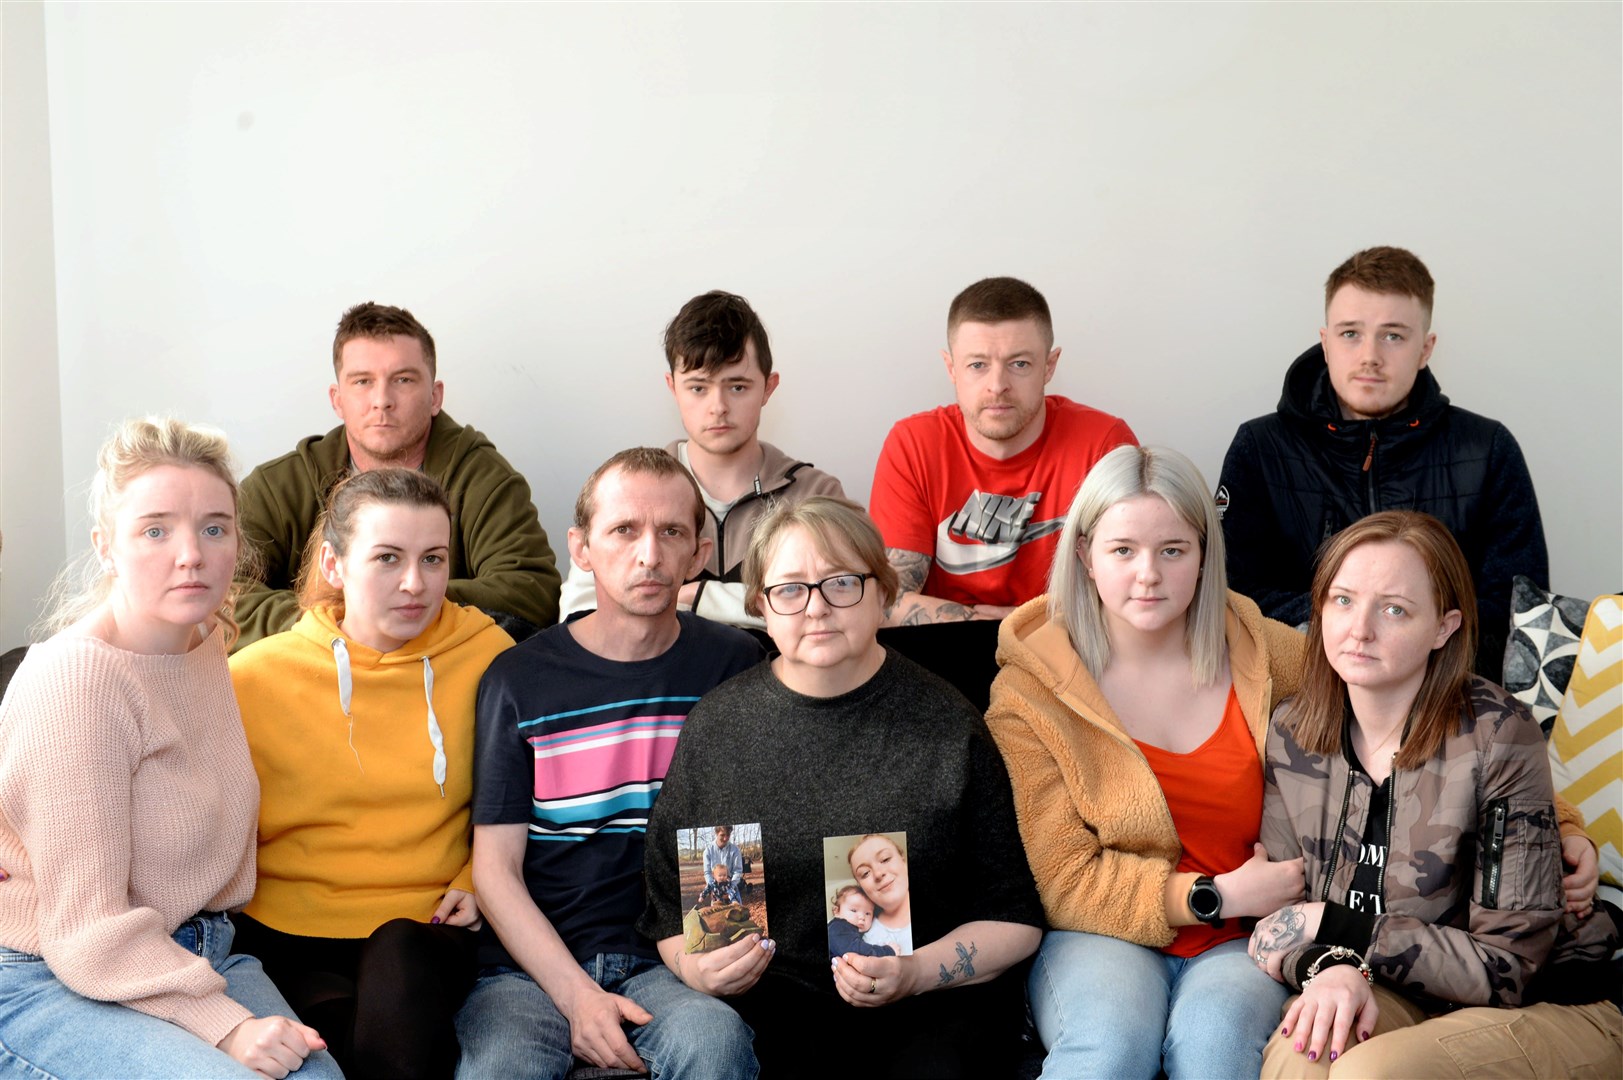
(1338, 952)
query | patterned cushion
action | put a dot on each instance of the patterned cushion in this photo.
(1544, 632)
(1586, 745)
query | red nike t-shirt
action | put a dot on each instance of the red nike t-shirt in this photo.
(991, 527)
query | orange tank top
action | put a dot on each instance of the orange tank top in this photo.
(1215, 795)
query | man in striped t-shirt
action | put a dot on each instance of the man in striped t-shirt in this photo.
(576, 727)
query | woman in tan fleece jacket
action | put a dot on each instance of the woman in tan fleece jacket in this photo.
(1131, 710)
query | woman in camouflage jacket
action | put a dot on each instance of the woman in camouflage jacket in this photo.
(1419, 799)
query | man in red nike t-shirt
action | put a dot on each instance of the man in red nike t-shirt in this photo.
(971, 497)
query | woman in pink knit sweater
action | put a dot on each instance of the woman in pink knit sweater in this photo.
(128, 801)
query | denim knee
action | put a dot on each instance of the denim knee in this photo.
(1100, 1005)
(692, 1034)
(1223, 1011)
(509, 1027)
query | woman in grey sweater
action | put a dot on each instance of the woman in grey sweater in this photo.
(837, 736)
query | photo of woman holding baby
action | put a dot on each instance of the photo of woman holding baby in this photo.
(872, 909)
(838, 737)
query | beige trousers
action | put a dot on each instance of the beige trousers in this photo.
(1539, 1041)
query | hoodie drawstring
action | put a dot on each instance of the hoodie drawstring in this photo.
(435, 735)
(346, 689)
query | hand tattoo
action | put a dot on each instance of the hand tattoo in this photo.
(1284, 929)
(965, 965)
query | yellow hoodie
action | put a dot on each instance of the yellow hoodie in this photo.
(365, 763)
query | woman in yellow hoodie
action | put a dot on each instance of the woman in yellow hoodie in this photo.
(1131, 709)
(360, 721)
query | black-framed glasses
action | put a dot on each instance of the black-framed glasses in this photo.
(841, 590)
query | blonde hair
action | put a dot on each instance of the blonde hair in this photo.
(899, 845)
(1126, 473)
(136, 447)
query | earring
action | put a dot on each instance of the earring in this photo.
(108, 568)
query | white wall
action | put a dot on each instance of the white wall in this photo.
(30, 413)
(545, 185)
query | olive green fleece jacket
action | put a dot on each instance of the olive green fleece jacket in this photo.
(500, 560)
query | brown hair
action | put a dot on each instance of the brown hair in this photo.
(1321, 703)
(841, 893)
(839, 528)
(336, 526)
(379, 322)
(1390, 271)
(643, 460)
(711, 331)
(999, 299)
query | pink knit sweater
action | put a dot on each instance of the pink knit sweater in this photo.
(128, 804)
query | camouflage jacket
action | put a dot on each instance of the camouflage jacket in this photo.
(1472, 882)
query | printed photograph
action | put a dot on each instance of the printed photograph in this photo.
(870, 912)
(723, 882)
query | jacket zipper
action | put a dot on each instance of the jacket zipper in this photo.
(1335, 852)
(1391, 801)
(1369, 473)
(756, 492)
(1498, 811)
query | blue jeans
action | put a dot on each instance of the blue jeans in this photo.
(510, 1028)
(48, 1031)
(1107, 1007)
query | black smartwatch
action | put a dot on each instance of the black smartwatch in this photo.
(1206, 902)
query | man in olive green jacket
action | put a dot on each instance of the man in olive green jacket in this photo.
(388, 397)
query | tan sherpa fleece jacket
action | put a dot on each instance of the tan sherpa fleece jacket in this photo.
(1096, 827)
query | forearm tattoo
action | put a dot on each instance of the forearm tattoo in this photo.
(964, 967)
(911, 608)
(912, 567)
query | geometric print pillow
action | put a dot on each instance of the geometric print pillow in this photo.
(1544, 633)
(1586, 745)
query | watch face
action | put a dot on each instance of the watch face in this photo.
(1204, 901)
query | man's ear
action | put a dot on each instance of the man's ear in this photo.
(1425, 351)
(332, 571)
(579, 553)
(701, 555)
(771, 385)
(439, 398)
(946, 358)
(332, 399)
(1049, 364)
